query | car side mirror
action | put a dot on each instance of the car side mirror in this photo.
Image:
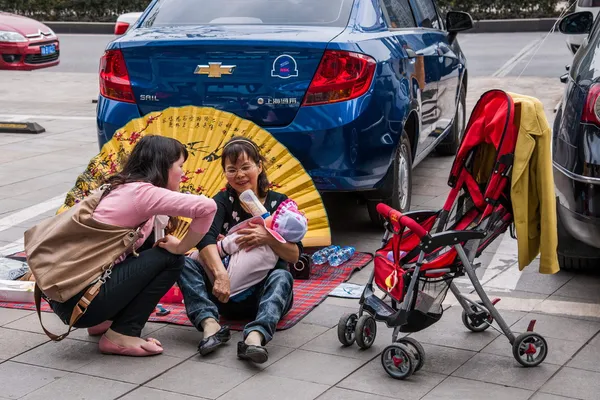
(458, 21)
(578, 23)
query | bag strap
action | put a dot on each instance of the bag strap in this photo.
(78, 311)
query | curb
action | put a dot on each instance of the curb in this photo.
(513, 25)
(483, 26)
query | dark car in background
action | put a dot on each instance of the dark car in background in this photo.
(576, 149)
(359, 91)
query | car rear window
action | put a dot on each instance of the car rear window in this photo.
(271, 12)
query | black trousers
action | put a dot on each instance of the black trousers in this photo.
(131, 293)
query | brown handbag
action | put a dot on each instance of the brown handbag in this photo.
(71, 251)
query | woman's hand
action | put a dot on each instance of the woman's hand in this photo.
(221, 288)
(171, 244)
(253, 236)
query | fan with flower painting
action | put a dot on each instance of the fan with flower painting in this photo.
(204, 131)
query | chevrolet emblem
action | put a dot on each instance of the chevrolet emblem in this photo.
(214, 69)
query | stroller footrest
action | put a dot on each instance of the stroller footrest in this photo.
(378, 308)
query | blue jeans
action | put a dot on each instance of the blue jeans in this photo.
(271, 300)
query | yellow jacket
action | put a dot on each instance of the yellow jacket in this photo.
(532, 187)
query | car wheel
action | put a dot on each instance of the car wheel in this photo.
(449, 146)
(401, 183)
(574, 255)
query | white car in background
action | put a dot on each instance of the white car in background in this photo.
(125, 21)
(593, 6)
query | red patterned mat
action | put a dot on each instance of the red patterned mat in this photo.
(307, 295)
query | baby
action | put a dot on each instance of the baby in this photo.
(247, 268)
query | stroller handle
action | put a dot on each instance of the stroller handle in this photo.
(396, 216)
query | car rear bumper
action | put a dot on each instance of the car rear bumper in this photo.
(578, 207)
(27, 55)
(344, 147)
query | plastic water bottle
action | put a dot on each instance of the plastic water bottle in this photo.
(321, 256)
(341, 256)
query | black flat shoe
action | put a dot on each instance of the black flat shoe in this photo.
(257, 354)
(209, 344)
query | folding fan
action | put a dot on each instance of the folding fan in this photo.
(204, 131)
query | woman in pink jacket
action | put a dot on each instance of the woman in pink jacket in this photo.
(146, 187)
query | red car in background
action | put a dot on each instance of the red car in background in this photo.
(26, 44)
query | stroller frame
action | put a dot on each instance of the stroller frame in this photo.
(425, 262)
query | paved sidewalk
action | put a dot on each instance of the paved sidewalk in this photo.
(306, 361)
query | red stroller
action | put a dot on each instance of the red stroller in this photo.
(423, 251)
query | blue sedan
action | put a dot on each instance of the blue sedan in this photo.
(360, 91)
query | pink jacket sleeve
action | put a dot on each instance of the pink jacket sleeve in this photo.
(151, 200)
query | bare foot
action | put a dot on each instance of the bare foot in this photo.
(254, 338)
(210, 326)
(124, 340)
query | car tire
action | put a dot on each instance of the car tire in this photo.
(449, 146)
(577, 263)
(574, 255)
(401, 182)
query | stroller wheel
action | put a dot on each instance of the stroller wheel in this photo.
(417, 349)
(398, 361)
(530, 349)
(366, 330)
(474, 326)
(346, 328)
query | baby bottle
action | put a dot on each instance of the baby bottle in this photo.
(249, 199)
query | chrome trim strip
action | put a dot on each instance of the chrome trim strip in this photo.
(574, 176)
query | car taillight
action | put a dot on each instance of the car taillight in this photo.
(121, 28)
(591, 110)
(114, 78)
(341, 76)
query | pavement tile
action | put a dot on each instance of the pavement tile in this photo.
(76, 387)
(362, 277)
(180, 343)
(581, 287)
(200, 379)
(560, 351)
(326, 315)
(266, 387)
(529, 280)
(226, 356)
(328, 343)
(462, 389)
(450, 332)
(587, 358)
(12, 233)
(130, 369)
(145, 393)
(559, 327)
(299, 335)
(505, 371)
(444, 360)
(31, 323)
(8, 315)
(68, 355)
(372, 378)
(16, 342)
(319, 368)
(513, 300)
(336, 393)
(546, 396)
(576, 383)
(24, 379)
(570, 307)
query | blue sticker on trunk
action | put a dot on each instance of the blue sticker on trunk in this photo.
(284, 67)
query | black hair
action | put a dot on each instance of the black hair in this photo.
(150, 161)
(238, 145)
